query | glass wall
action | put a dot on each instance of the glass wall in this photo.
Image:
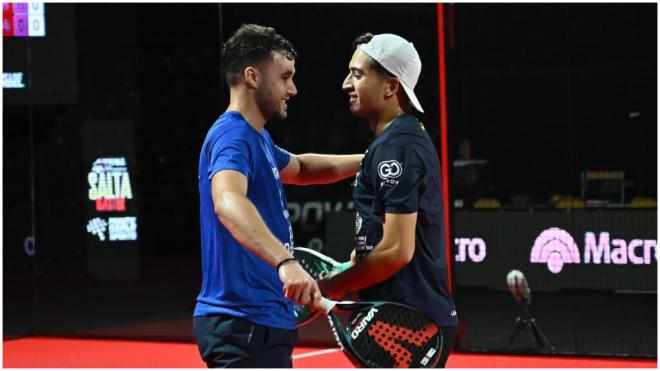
(552, 127)
(100, 151)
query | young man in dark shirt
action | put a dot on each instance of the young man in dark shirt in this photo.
(399, 250)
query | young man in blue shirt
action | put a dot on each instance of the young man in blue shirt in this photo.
(244, 315)
(399, 250)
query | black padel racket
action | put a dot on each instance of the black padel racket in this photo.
(385, 334)
(318, 266)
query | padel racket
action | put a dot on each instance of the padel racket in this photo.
(318, 266)
(385, 334)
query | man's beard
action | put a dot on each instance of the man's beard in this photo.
(269, 108)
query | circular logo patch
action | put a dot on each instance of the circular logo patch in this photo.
(391, 169)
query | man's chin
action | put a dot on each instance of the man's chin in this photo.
(279, 116)
(357, 111)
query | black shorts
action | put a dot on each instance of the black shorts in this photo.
(226, 341)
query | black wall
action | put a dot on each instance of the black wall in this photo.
(545, 91)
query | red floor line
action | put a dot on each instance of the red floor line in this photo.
(41, 352)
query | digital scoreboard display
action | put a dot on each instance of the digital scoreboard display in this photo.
(39, 54)
(23, 20)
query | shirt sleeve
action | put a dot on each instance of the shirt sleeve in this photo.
(282, 157)
(231, 153)
(398, 174)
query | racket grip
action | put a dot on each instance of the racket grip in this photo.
(327, 304)
(343, 266)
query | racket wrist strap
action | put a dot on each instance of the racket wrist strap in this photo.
(284, 261)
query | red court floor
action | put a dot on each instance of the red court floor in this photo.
(75, 353)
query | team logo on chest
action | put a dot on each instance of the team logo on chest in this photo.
(391, 169)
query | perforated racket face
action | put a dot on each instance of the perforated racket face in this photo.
(316, 265)
(395, 336)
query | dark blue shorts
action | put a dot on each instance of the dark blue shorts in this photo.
(226, 341)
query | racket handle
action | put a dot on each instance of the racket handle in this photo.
(327, 304)
(343, 266)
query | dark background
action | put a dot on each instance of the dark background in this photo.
(545, 91)
(542, 91)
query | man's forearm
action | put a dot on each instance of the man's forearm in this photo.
(243, 221)
(323, 169)
(380, 264)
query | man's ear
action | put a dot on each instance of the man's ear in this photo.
(252, 77)
(392, 86)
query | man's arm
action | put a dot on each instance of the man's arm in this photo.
(392, 253)
(312, 168)
(239, 215)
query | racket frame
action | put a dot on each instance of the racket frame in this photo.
(344, 339)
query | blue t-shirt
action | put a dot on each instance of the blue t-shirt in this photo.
(235, 281)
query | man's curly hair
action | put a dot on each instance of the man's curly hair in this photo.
(252, 44)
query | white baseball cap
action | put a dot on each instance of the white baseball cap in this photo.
(398, 56)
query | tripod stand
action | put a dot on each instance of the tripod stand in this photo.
(527, 320)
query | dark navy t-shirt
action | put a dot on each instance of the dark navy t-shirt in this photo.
(235, 281)
(400, 174)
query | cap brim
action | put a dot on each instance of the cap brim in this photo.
(413, 98)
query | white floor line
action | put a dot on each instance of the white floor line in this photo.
(316, 353)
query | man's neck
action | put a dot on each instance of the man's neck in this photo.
(243, 102)
(383, 119)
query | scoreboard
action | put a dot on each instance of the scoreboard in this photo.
(40, 54)
(23, 20)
